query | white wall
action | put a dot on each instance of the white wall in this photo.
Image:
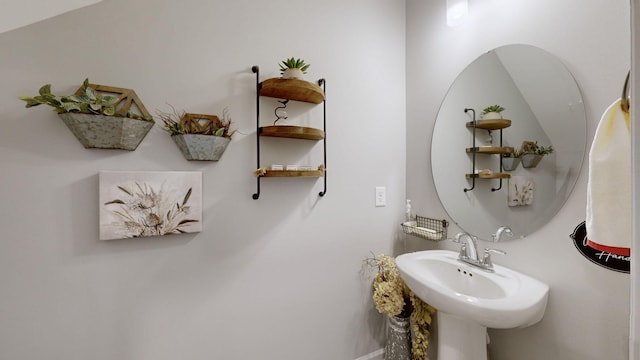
(276, 278)
(588, 310)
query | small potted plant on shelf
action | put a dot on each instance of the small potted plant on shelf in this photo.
(198, 136)
(511, 160)
(532, 153)
(293, 68)
(492, 112)
(99, 116)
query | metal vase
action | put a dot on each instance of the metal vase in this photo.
(398, 345)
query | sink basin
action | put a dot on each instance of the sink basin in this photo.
(470, 299)
(502, 299)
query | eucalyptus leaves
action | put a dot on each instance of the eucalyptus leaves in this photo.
(86, 100)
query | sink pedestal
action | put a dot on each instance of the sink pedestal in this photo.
(460, 339)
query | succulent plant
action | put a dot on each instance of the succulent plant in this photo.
(293, 63)
(493, 108)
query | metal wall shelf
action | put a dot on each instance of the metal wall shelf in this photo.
(298, 90)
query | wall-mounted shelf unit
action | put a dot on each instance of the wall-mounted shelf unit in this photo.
(489, 125)
(293, 173)
(489, 176)
(292, 132)
(490, 150)
(292, 89)
(298, 90)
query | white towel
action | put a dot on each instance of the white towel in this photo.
(609, 185)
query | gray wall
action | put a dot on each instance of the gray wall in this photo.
(588, 311)
(276, 278)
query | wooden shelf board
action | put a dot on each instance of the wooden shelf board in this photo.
(294, 173)
(494, 124)
(292, 89)
(491, 150)
(292, 132)
(490, 176)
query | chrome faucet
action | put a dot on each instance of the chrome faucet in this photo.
(502, 230)
(469, 248)
(469, 251)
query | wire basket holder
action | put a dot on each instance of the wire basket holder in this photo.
(426, 228)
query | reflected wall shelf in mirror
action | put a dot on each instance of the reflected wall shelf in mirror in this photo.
(491, 150)
(488, 125)
(298, 90)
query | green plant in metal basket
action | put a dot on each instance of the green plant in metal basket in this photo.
(87, 100)
(179, 123)
(513, 154)
(532, 147)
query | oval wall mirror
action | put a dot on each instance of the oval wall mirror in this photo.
(544, 105)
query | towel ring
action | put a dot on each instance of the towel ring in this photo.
(624, 103)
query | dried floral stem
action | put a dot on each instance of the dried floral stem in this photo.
(392, 297)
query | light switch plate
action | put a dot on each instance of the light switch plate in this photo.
(381, 196)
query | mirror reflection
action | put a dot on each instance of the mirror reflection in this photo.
(543, 107)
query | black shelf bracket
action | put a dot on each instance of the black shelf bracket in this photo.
(500, 161)
(256, 70)
(323, 83)
(473, 155)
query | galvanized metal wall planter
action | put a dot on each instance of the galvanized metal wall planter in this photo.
(107, 132)
(200, 136)
(100, 116)
(201, 147)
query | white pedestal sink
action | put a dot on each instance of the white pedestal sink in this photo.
(469, 300)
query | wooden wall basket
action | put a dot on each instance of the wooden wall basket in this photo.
(111, 132)
(200, 144)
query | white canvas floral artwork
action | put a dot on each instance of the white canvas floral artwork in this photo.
(520, 191)
(149, 203)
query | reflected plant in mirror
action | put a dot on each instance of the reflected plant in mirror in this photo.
(492, 112)
(544, 104)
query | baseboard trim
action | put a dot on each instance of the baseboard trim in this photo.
(376, 355)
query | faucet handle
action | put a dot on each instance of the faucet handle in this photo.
(497, 251)
(486, 259)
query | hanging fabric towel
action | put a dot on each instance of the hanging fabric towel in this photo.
(609, 185)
